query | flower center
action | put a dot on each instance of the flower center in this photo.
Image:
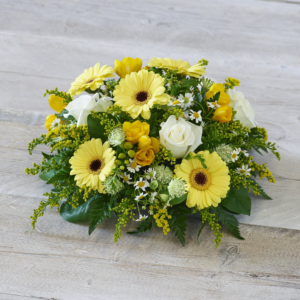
(233, 155)
(96, 166)
(125, 178)
(196, 115)
(176, 102)
(141, 197)
(141, 97)
(200, 179)
(133, 165)
(242, 171)
(141, 184)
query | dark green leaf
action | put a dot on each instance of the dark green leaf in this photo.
(262, 193)
(197, 156)
(144, 226)
(175, 201)
(230, 222)
(153, 124)
(178, 221)
(238, 201)
(47, 156)
(99, 215)
(95, 129)
(85, 211)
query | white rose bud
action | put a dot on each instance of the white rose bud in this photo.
(180, 136)
(244, 112)
(81, 107)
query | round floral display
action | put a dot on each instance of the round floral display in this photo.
(152, 145)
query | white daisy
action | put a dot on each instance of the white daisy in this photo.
(141, 218)
(150, 173)
(55, 123)
(235, 154)
(202, 124)
(141, 184)
(176, 102)
(245, 153)
(244, 170)
(133, 166)
(196, 115)
(126, 177)
(186, 114)
(187, 100)
(152, 196)
(140, 197)
(191, 88)
(213, 105)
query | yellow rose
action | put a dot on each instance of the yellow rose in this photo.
(56, 103)
(224, 98)
(127, 65)
(155, 143)
(135, 130)
(144, 141)
(145, 157)
(49, 120)
(223, 114)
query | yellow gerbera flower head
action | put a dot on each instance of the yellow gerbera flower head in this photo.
(92, 163)
(183, 67)
(205, 187)
(91, 78)
(138, 92)
(127, 65)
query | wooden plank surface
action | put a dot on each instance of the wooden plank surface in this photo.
(45, 44)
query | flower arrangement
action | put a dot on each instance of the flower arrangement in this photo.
(155, 145)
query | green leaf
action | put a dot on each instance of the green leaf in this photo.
(178, 221)
(238, 201)
(47, 156)
(47, 175)
(178, 200)
(144, 226)
(99, 215)
(230, 222)
(85, 211)
(153, 124)
(95, 129)
(197, 156)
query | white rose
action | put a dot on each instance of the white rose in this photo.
(81, 107)
(244, 112)
(180, 136)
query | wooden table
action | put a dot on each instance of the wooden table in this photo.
(45, 44)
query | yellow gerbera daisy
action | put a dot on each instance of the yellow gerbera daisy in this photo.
(205, 187)
(183, 67)
(137, 92)
(92, 163)
(91, 78)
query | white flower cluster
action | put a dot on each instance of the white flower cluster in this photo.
(113, 185)
(116, 137)
(163, 174)
(177, 188)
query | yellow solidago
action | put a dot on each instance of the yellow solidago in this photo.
(161, 218)
(182, 67)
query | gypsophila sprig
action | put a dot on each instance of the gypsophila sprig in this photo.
(154, 145)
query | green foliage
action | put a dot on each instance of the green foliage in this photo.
(260, 189)
(178, 221)
(238, 201)
(144, 226)
(95, 209)
(95, 129)
(228, 220)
